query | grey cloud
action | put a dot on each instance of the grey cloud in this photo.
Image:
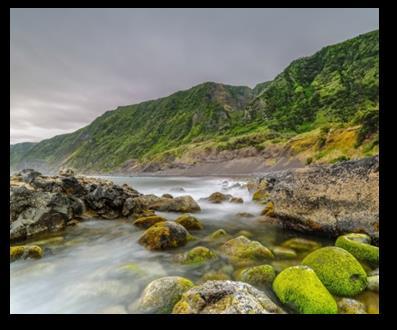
(68, 66)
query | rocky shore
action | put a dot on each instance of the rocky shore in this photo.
(240, 272)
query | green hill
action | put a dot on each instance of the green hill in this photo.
(317, 99)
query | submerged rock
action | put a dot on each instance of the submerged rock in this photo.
(338, 270)
(189, 222)
(359, 245)
(217, 235)
(301, 244)
(25, 251)
(300, 288)
(351, 306)
(160, 296)
(225, 297)
(164, 235)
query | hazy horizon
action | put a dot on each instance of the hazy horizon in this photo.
(68, 66)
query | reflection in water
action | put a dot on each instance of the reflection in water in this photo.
(98, 266)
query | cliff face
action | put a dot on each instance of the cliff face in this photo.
(333, 199)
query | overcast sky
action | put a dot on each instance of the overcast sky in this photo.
(68, 66)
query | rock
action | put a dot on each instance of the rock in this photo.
(189, 222)
(359, 246)
(284, 253)
(66, 172)
(36, 212)
(160, 296)
(28, 175)
(198, 255)
(373, 283)
(236, 200)
(245, 215)
(146, 222)
(258, 276)
(269, 209)
(164, 235)
(329, 199)
(351, 306)
(218, 197)
(338, 270)
(214, 276)
(300, 288)
(301, 244)
(178, 204)
(131, 206)
(25, 251)
(167, 196)
(241, 251)
(225, 297)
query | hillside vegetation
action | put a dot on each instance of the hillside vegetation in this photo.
(322, 108)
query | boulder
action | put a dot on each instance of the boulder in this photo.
(160, 296)
(189, 222)
(164, 235)
(218, 197)
(359, 245)
(225, 297)
(338, 270)
(300, 288)
(178, 204)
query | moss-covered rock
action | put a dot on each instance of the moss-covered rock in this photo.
(359, 246)
(197, 255)
(241, 252)
(25, 251)
(300, 288)
(245, 233)
(189, 222)
(225, 297)
(301, 244)
(268, 209)
(351, 306)
(284, 253)
(258, 276)
(160, 296)
(339, 271)
(164, 235)
(236, 200)
(146, 222)
(218, 197)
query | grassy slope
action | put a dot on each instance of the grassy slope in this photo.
(320, 107)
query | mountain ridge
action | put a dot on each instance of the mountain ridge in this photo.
(335, 88)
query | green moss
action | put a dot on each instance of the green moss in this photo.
(259, 276)
(217, 235)
(359, 246)
(260, 195)
(300, 288)
(339, 271)
(164, 235)
(269, 209)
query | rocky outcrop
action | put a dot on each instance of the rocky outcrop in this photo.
(44, 204)
(334, 199)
